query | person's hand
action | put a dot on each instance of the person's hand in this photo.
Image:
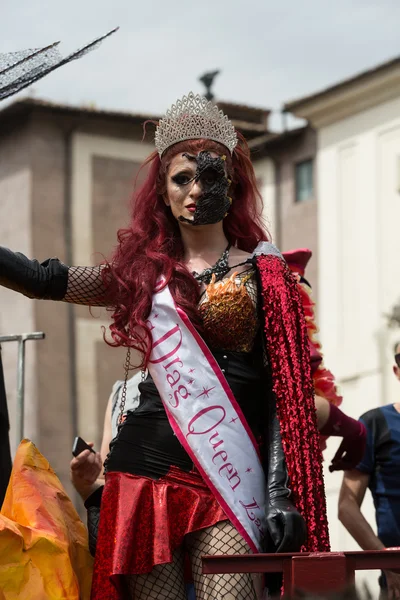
(351, 450)
(286, 526)
(84, 471)
(393, 585)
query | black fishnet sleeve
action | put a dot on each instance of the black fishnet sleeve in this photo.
(86, 286)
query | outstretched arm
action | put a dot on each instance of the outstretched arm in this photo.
(86, 286)
(52, 280)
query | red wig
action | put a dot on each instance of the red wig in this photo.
(151, 246)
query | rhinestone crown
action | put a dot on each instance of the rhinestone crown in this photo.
(194, 117)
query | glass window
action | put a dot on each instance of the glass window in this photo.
(304, 181)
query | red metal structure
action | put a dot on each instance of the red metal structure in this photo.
(311, 572)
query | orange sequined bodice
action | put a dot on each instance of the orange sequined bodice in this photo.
(229, 312)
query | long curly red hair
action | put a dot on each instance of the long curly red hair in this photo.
(152, 246)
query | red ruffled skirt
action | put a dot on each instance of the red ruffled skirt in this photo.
(142, 522)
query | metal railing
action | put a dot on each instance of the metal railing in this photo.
(308, 571)
(21, 339)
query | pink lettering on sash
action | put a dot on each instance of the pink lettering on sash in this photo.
(206, 418)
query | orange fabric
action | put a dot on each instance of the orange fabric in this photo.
(43, 543)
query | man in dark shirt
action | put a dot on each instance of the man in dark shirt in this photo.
(379, 470)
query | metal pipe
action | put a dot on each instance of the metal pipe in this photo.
(278, 202)
(38, 335)
(21, 339)
(21, 388)
(274, 563)
(284, 120)
(71, 332)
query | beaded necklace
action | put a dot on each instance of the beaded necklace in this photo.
(220, 269)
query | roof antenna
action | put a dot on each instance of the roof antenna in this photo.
(208, 79)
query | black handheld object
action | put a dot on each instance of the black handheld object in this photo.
(79, 446)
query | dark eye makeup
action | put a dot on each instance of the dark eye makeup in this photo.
(182, 178)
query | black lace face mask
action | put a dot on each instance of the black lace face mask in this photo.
(213, 204)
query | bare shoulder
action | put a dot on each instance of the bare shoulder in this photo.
(236, 255)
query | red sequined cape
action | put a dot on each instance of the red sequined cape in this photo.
(288, 351)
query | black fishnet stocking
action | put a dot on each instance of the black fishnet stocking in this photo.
(221, 538)
(86, 286)
(165, 582)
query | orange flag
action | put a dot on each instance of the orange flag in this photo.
(44, 551)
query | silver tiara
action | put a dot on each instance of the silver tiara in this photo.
(194, 117)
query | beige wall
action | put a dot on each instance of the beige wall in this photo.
(17, 312)
(359, 215)
(48, 160)
(293, 225)
(104, 174)
(299, 220)
(265, 173)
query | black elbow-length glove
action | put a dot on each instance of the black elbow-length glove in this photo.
(286, 527)
(47, 280)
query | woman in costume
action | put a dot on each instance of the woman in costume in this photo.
(222, 455)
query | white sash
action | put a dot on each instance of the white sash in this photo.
(206, 418)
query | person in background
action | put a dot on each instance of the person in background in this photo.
(86, 469)
(379, 470)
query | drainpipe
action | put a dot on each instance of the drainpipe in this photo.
(278, 187)
(284, 120)
(69, 258)
(278, 203)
